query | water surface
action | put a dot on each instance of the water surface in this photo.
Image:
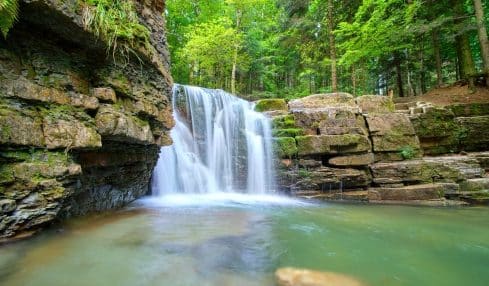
(241, 240)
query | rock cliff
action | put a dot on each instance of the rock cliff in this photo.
(82, 113)
(338, 147)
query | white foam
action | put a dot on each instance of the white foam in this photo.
(219, 199)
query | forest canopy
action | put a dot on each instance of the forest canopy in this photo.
(292, 48)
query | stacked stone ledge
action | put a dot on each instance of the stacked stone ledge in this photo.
(79, 129)
(338, 147)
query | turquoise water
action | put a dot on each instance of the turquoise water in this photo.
(243, 240)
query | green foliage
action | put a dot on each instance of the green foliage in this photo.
(9, 10)
(407, 152)
(284, 48)
(116, 22)
(285, 147)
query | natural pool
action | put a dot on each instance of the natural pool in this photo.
(239, 240)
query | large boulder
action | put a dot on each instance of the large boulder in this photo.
(410, 193)
(474, 134)
(20, 125)
(326, 178)
(437, 130)
(115, 125)
(330, 121)
(332, 144)
(375, 104)
(324, 101)
(303, 277)
(275, 104)
(392, 133)
(452, 169)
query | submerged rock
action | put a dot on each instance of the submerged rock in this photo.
(304, 277)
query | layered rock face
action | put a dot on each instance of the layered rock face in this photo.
(335, 146)
(79, 127)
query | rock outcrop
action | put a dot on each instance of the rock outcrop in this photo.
(80, 121)
(337, 147)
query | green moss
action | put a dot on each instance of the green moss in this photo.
(6, 174)
(65, 112)
(289, 132)
(407, 152)
(285, 147)
(471, 109)
(117, 23)
(271, 104)
(284, 122)
(303, 173)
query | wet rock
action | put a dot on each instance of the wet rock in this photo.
(326, 178)
(304, 277)
(408, 193)
(7, 206)
(104, 94)
(20, 126)
(352, 160)
(474, 134)
(375, 104)
(70, 134)
(392, 132)
(284, 147)
(332, 144)
(25, 89)
(451, 169)
(437, 131)
(482, 158)
(475, 185)
(470, 109)
(115, 125)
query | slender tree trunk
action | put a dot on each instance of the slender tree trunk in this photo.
(484, 42)
(422, 76)
(397, 63)
(436, 52)
(332, 46)
(464, 53)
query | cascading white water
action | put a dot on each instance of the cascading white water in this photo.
(220, 144)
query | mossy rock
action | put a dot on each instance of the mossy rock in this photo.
(285, 147)
(271, 105)
(471, 109)
(284, 122)
(290, 132)
(375, 104)
(332, 144)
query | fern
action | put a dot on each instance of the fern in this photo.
(9, 10)
(116, 22)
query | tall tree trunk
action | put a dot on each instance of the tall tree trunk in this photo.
(437, 53)
(464, 53)
(332, 46)
(484, 42)
(397, 63)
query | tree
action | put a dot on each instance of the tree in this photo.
(210, 50)
(484, 42)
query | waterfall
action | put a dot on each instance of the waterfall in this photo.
(220, 144)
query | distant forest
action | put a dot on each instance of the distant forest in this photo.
(292, 48)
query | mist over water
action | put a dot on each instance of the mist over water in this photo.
(220, 145)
